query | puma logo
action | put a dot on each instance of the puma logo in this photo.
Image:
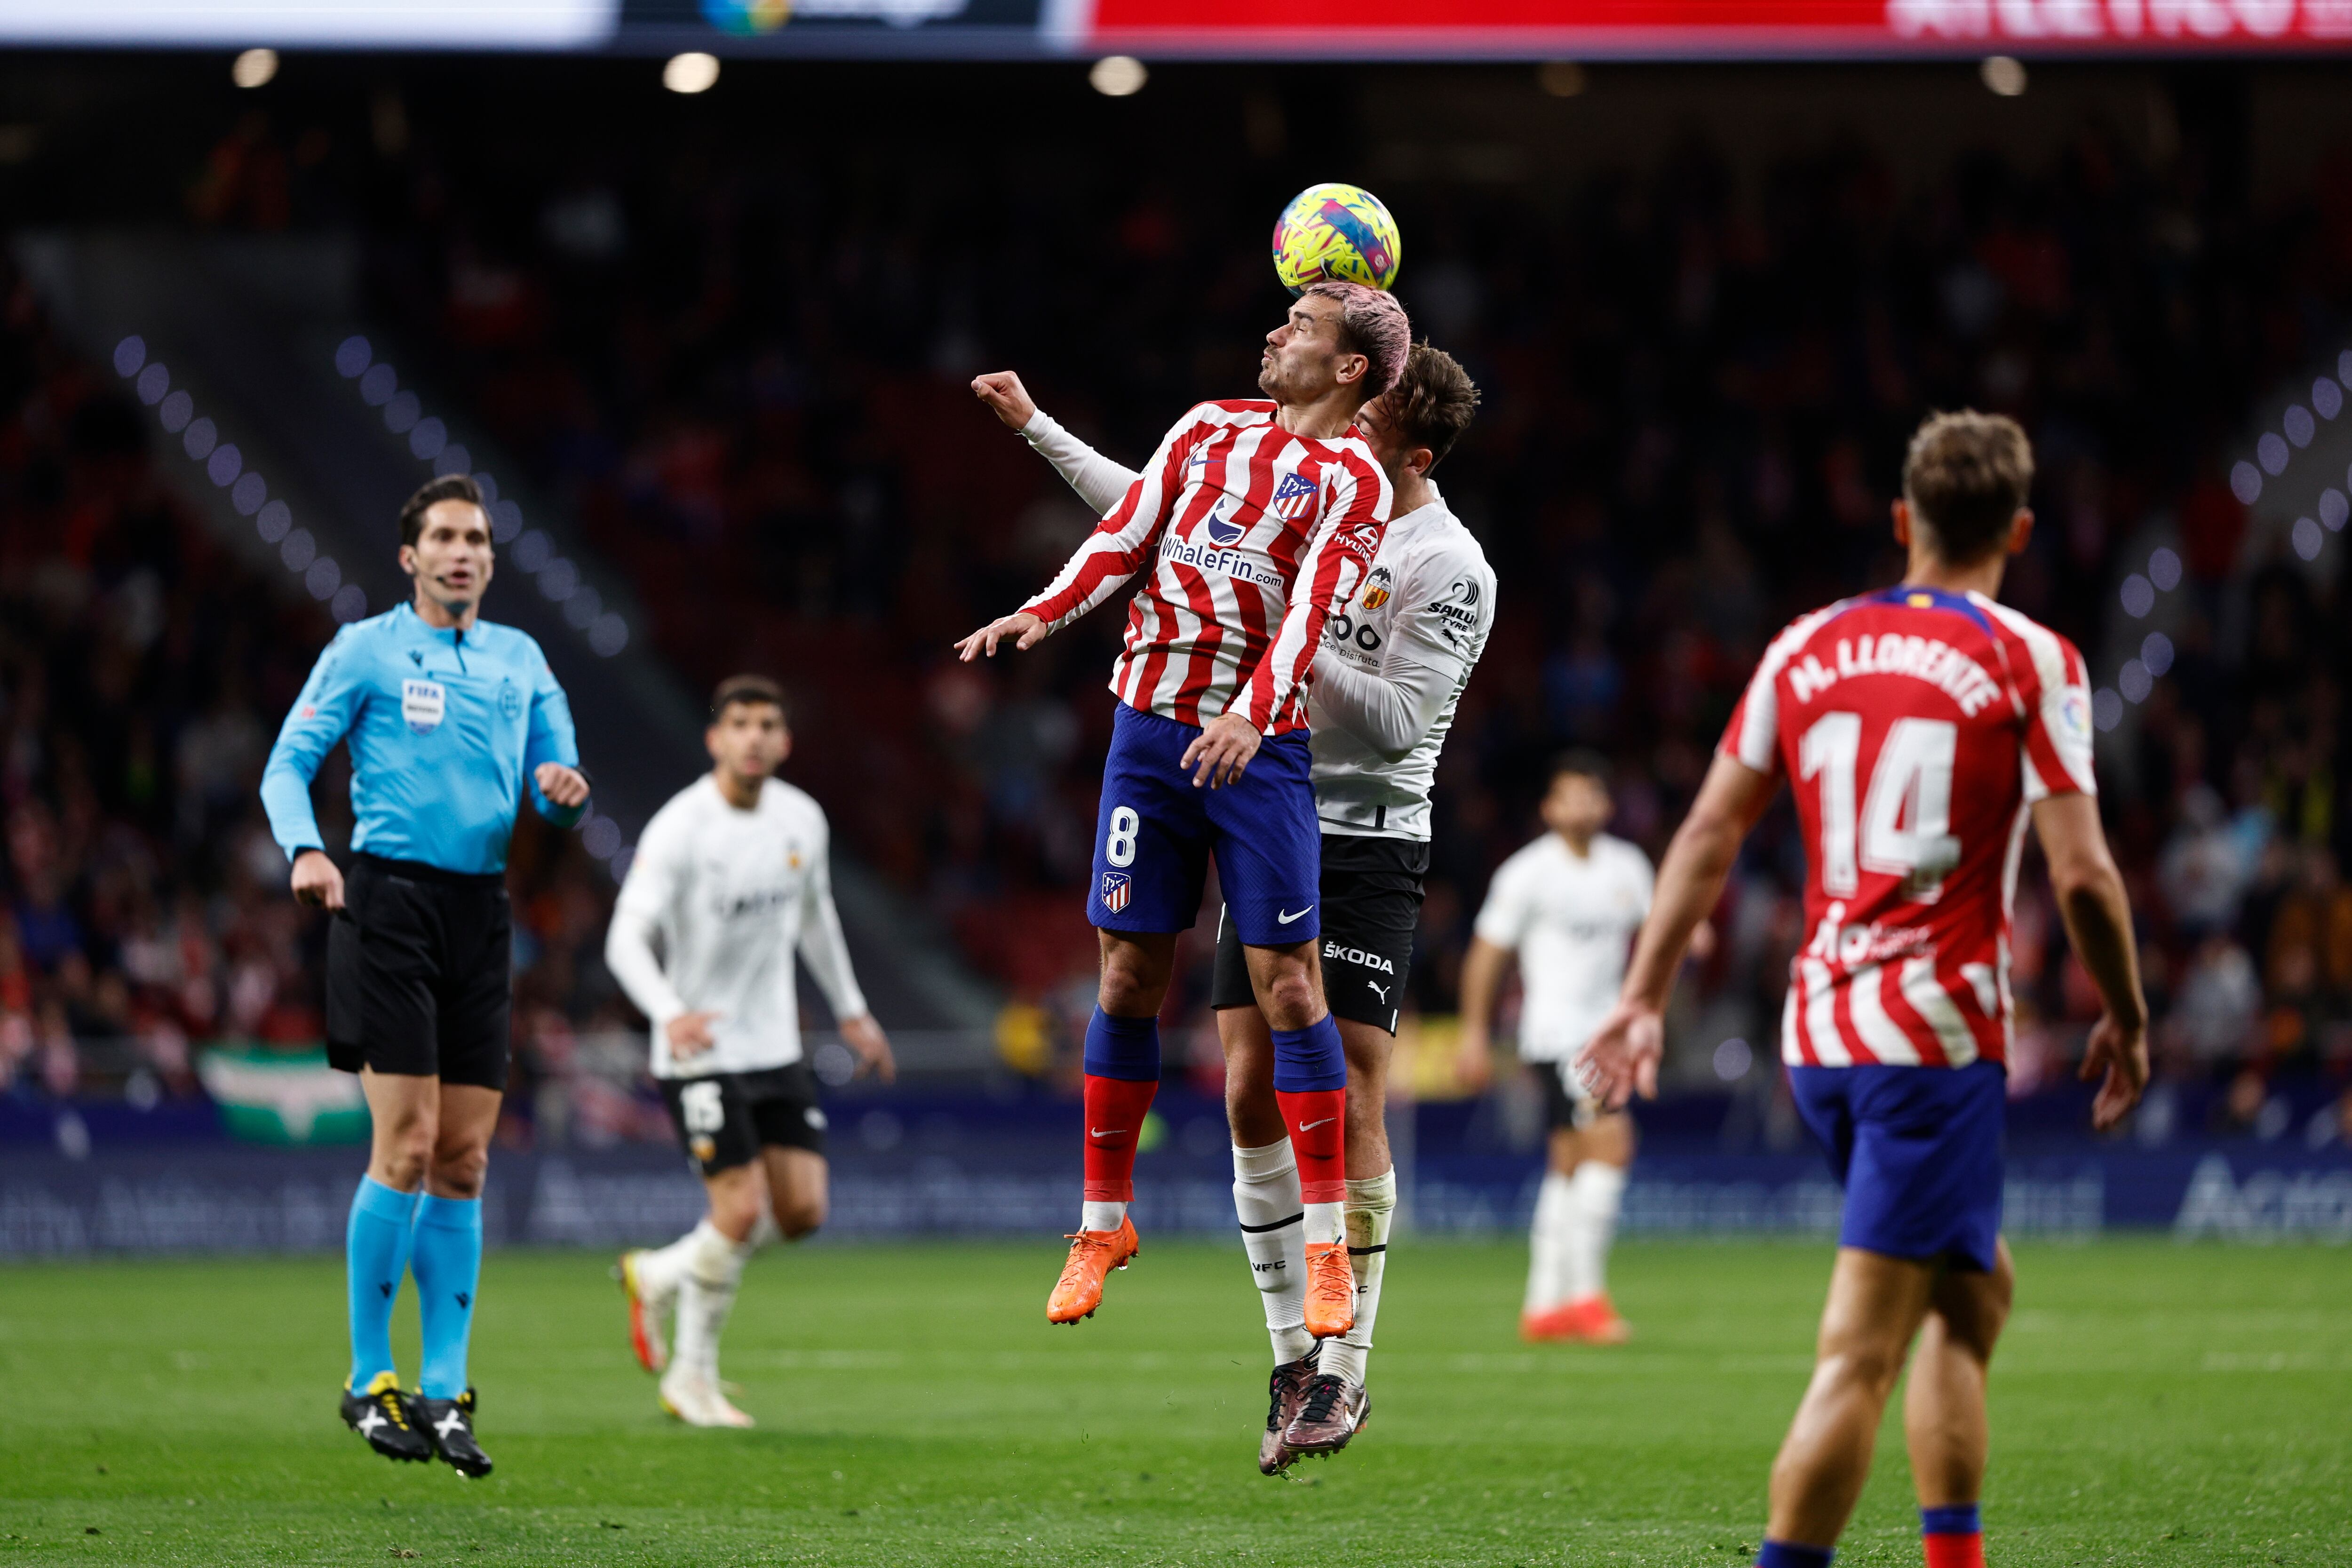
(1378, 989)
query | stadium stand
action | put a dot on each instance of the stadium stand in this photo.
(718, 359)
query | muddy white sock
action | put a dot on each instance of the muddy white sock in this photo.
(1371, 1206)
(1265, 1198)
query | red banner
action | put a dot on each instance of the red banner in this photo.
(1705, 28)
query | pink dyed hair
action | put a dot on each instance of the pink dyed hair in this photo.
(1374, 324)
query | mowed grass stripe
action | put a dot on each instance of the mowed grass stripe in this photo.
(2154, 1404)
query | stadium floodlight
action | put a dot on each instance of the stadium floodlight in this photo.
(690, 72)
(255, 68)
(2004, 74)
(1118, 75)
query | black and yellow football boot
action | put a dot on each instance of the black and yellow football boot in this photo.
(449, 1423)
(382, 1415)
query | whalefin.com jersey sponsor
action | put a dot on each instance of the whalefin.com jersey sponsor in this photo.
(1916, 726)
(1246, 537)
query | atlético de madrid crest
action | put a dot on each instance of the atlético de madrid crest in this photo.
(1115, 888)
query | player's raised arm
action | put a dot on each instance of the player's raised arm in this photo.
(1621, 1058)
(1109, 557)
(1099, 481)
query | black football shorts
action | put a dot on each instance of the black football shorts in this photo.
(417, 972)
(1370, 891)
(726, 1119)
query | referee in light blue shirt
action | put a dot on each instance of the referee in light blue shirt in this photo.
(450, 719)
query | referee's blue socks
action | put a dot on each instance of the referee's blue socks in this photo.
(1789, 1554)
(447, 1264)
(375, 1254)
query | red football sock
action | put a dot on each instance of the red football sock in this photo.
(1317, 1119)
(1115, 1112)
(1955, 1550)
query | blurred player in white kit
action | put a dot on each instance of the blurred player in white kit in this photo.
(1567, 906)
(730, 880)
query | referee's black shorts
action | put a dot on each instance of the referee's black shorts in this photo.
(1370, 891)
(417, 972)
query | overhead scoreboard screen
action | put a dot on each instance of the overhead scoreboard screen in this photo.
(1304, 29)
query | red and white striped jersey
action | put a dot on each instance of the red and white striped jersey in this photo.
(1259, 536)
(1915, 727)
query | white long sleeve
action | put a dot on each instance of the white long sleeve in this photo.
(1390, 710)
(629, 954)
(823, 947)
(1100, 483)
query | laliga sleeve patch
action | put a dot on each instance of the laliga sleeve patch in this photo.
(423, 704)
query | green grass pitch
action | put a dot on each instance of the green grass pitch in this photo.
(2152, 1403)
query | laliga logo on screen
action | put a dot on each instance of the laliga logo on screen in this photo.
(1222, 532)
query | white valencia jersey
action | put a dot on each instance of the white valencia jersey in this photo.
(1420, 619)
(731, 895)
(1571, 920)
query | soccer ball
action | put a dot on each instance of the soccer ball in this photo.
(1339, 234)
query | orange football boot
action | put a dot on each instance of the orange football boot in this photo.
(1330, 1289)
(1589, 1321)
(647, 1334)
(1093, 1254)
(1598, 1322)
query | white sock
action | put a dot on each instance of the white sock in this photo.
(660, 1269)
(1325, 1222)
(1594, 1193)
(1096, 1215)
(1371, 1205)
(1546, 1239)
(706, 1296)
(1265, 1197)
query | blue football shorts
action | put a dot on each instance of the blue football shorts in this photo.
(1155, 832)
(1918, 1151)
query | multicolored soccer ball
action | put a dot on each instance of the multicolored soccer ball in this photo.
(1337, 234)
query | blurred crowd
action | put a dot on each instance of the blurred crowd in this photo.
(744, 370)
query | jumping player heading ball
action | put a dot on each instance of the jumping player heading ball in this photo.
(1921, 728)
(1263, 517)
